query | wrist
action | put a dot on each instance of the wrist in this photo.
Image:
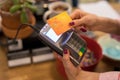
(110, 76)
(90, 75)
(103, 21)
(109, 25)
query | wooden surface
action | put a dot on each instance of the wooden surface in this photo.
(40, 71)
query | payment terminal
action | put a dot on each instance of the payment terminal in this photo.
(69, 40)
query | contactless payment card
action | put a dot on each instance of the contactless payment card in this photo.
(60, 23)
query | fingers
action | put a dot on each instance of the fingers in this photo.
(79, 20)
(58, 56)
(70, 69)
(75, 14)
(79, 23)
(66, 61)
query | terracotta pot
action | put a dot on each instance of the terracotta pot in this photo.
(23, 33)
(12, 21)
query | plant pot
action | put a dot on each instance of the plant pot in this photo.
(110, 44)
(24, 32)
(12, 21)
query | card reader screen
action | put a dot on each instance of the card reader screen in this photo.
(52, 35)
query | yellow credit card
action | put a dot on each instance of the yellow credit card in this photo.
(60, 23)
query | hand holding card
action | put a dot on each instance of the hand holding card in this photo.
(60, 23)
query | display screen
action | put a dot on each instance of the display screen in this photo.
(52, 35)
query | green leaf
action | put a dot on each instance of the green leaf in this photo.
(16, 1)
(15, 8)
(24, 17)
(31, 7)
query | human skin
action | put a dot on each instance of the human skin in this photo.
(76, 73)
(93, 23)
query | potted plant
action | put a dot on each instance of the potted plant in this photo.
(14, 13)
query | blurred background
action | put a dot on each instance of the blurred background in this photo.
(30, 59)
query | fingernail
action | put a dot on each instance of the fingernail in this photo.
(83, 29)
(65, 51)
(71, 23)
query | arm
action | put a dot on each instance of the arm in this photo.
(110, 76)
(94, 22)
(108, 25)
(76, 73)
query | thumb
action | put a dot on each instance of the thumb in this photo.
(66, 60)
(70, 69)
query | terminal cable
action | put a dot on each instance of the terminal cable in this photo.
(19, 28)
